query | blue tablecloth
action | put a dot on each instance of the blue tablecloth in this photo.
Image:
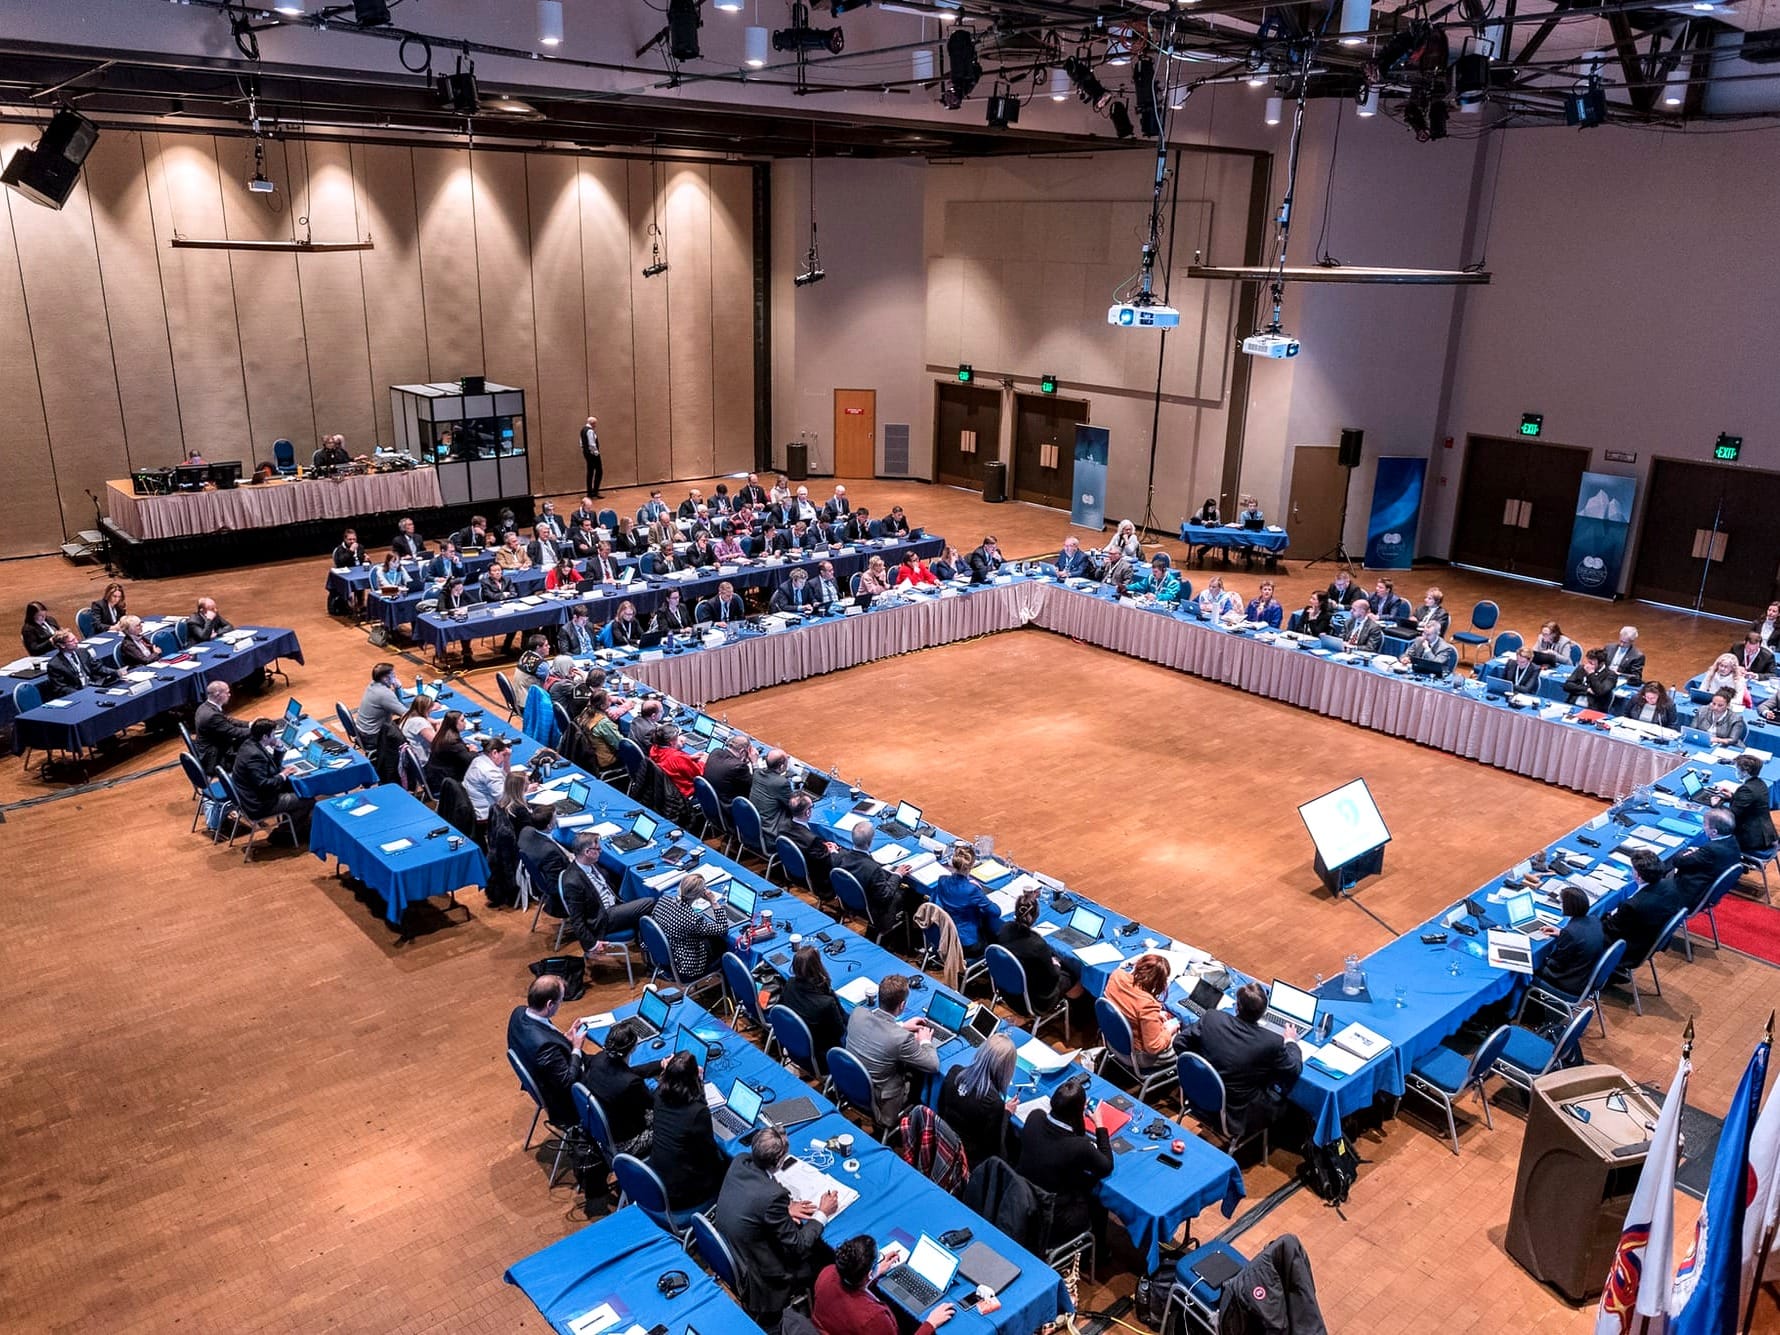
(334, 778)
(1236, 538)
(617, 1260)
(401, 611)
(427, 867)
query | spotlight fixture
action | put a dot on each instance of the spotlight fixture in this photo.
(1586, 106)
(1121, 120)
(755, 44)
(549, 22)
(683, 24)
(1675, 87)
(962, 69)
(289, 8)
(259, 183)
(458, 90)
(656, 266)
(370, 13)
(1471, 79)
(1356, 18)
(1276, 106)
(1148, 113)
(812, 271)
(1087, 86)
(808, 276)
(1003, 108)
(1059, 84)
(800, 36)
(727, 6)
(1366, 103)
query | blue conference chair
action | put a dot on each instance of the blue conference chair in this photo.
(166, 640)
(1120, 1050)
(593, 1120)
(660, 958)
(744, 993)
(256, 825)
(852, 1087)
(791, 862)
(1443, 1076)
(793, 1039)
(1676, 925)
(1528, 1055)
(201, 789)
(710, 809)
(853, 900)
(1483, 618)
(566, 1136)
(643, 1189)
(1590, 995)
(1195, 1296)
(608, 520)
(348, 725)
(509, 696)
(710, 1248)
(1007, 983)
(750, 835)
(631, 756)
(1508, 642)
(85, 622)
(284, 458)
(1202, 1093)
(1708, 904)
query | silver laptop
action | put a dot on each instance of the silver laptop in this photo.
(1289, 1005)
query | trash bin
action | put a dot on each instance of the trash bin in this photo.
(797, 461)
(994, 481)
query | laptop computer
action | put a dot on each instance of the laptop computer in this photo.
(741, 898)
(651, 1017)
(980, 1264)
(922, 1280)
(704, 725)
(1083, 929)
(1698, 696)
(574, 798)
(287, 736)
(1519, 910)
(685, 1040)
(640, 835)
(905, 821)
(1289, 1005)
(1333, 643)
(293, 710)
(786, 1113)
(1428, 667)
(310, 761)
(1692, 785)
(1696, 737)
(945, 1016)
(815, 783)
(739, 1113)
(1204, 997)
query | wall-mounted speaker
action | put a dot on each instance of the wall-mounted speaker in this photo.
(46, 174)
(1351, 439)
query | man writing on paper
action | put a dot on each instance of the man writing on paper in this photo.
(777, 1240)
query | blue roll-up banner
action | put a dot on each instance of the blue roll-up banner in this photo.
(1088, 509)
(1598, 539)
(1396, 510)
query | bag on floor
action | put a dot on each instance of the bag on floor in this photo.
(378, 635)
(1329, 1170)
(1152, 1294)
(572, 969)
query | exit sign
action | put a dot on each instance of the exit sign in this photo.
(1531, 424)
(1728, 448)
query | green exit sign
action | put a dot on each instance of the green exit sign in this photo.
(965, 374)
(1728, 448)
(1531, 424)
(1047, 384)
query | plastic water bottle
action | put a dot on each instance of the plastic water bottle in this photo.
(1352, 980)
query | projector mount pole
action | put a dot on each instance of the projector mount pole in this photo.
(1146, 293)
(1277, 286)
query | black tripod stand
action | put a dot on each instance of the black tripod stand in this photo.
(1338, 553)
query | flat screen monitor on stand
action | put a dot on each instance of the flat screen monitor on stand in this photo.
(1349, 835)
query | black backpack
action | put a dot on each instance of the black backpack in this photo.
(1329, 1171)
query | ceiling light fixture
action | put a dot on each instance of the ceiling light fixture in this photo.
(1275, 109)
(550, 22)
(755, 44)
(1356, 20)
(1087, 86)
(1059, 84)
(962, 69)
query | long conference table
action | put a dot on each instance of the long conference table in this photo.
(270, 504)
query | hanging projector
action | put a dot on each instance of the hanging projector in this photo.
(1135, 315)
(1270, 343)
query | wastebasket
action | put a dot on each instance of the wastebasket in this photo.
(994, 481)
(797, 461)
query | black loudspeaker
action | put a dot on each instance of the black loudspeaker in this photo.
(46, 174)
(473, 384)
(1351, 438)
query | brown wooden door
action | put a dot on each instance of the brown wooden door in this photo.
(966, 432)
(1044, 448)
(1313, 510)
(1550, 485)
(855, 432)
(1517, 504)
(1712, 540)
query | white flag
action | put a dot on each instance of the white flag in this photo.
(1647, 1245)
(1764, 1200)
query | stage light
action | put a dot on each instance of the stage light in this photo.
(1148, 113)
(728, 6)
(1087, 86)
(550, 22)
(809, 276)
(1003, 108)
(1257, 80)
(1059, 84)
(962, 69)
(370, 13)
(683, 24)
(1366, 104)
(1356, 18)
(755, 43)
(458, 90)
(1586, 106)
(289, 8)
(1471, 80)
(922, 63)
(1121, 120)
(1675, 87)
(1276, 108)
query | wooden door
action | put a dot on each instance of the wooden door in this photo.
(1313, 510)
(1550, 485)
(1712, 539)
(1487, 524)
(966, 432)
(1044, 448)
(1741, 580)
(855, 432)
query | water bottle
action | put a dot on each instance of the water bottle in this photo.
(1352, 980)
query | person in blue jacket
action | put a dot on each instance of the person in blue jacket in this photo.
(972, 912)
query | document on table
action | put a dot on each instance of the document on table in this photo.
(1041, 1056)
(1336, 1060)
(1101, 952)
(63, 703)
(1018, 886)
(1364, 1043)
(1046, 928)
(185, 664)
(606, 829)
(1004, 899)
(927, 875)
(601, 1318)
(990, 870)
(811, 1184)
(848, 822)
(889, 854)
(576, 821)
(857, 991)
(394, 845)
(1041, 1104)
(674, 875)
(364, 810)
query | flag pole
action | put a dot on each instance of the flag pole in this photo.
(1767, 1241)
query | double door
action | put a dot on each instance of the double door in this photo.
(1709, 538)
(966, 433)
(1044, 448)
(1517, 505)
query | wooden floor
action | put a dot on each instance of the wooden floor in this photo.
(233, 1099)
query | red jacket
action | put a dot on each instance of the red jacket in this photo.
(680, 768)
(838, 1312)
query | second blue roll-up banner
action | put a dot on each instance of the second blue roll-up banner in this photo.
(1598, 537)
(1088, 507)
(1396, 510)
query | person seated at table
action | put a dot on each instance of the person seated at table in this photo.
(1697, 867)
(781, 490)
(777, 1241)
(1124, 543)
(71, 667)
(679, 767)
(730, 769)
(216, 736)
(1386, 605)
(1363, 633)
(108, 608)
(1136, 990)
(1072, 561)
(1754, 657)
(1117, 572)
(1207, 515)
(796, 594)
(1625, 657)
(533, 668)
(1216, 602)
(541, 551)
(751, 492)
(584, 540)
(505, 522)
(380, 706)
(1552, 647)
(891, 1049)
(875, 580)
(1433, 609)
(1067, 1152)
(1315, 618)
(774, 541)
(595, 913)
(264, 784)
(665, 559)
(446, 564)
(596, 747)
(448, 754)
(887, 890)
(949, 565)
(1157, 580)
(1049, 977)
(844, 1303)
(856, 527)
(805, 536)
(567, 685)
(1719, 719)
(701, 552)
(1258, 1067)
(837, 507)
(1429, 647)
(548, 517)
(1522, 672)
(511, 554)
(1640, 919)
(544, 859)
(818, 853)
(475, 536)
(1571, 961)
(508, 817)
(689, 507)
(1727, 674)
(602, 566)
(624, 629)
(652, 509)
(645, 723)
(728, 546)
(39, 629)
(683, 1150)
(553, 1059)
(332, 454)
(984, 561)
(1250, 515)
(206, 623)
(1342, 590)
(809, 993)
(416, 727)
(486, 778)
(802, 507)
(351, 552)
(1264, 607)
(974, 1101)
(1651, 704)
(622, 1091)
(1750, 805)
(584, 513)
(134, 648)
(563, 574)
(407, 542)
(696, 924)
(1594, 679)
(388, 579)
(895, 524)
(662, 532)
(973, 913)
(914, 571)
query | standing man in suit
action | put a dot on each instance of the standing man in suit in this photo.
(590, 455)
(1639, 919)
(778, 1241)
(1757, 659)
(730, 769)
(552, 1058)
(1626, 658)
(770, 792)
(217, 735)
(1749, 807)
(72, 667)
(407, 543)
(891, 1049)
(1363, 632)
(1573, 956)
(1258, 1066)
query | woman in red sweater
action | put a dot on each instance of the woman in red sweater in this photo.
(845, 1304)
(680, 768)
(914, 570)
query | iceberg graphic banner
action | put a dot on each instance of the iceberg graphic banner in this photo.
(1088, 509)
(1598, 539)
(1396, 509)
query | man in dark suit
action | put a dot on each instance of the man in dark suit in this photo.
(1573, 956)
(264, 784)
(72, 667)
(729, 770)
(818, 853)
(985, 561)
(1640, 919)
(652, 509)
(206, 623)
(1342, 592)
(1750, 808)
(446, 564)
(884, 886)
(217, 736)
(407, 542)
(753, 493)
(476, 535)
(1593, 680)
(724, 607)
(837, 507)
(825, 588)
(350, 552)
(777, 1240)
(770, 792)
(795, 595)
(594, 911)
(1258, 1067)
(1756, 658)
(545, 859)
(590, 453)
(542, 548)
(553, 1059)
(1697, 869)
(1363, 632)
(773, 539)
(1625, 657)
(857, 526)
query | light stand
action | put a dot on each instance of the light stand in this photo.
(1338, 553)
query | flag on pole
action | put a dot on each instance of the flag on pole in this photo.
(1649, 1232)
(1764, 1200)
(1708, 1285)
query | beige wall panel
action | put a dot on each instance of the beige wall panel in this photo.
(130, 265)
(395, 311)
(945, 310)
(686, 218)
(64, 300)
(732, 316)
(560, 406)
(30, 520)
(649, 321)
(333, 292)
(982, 335)
(268, 309)
(504, 269)
(185, 191)
(604, 190)
(445, 204)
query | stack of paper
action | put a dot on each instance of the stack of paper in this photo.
(1364, 1043)
(889, 854)
(1101, 952)
(1041, 1056)
(1336, 1060)
(990, 870)
(847, 822)
(857, 991)
(810, 1184)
